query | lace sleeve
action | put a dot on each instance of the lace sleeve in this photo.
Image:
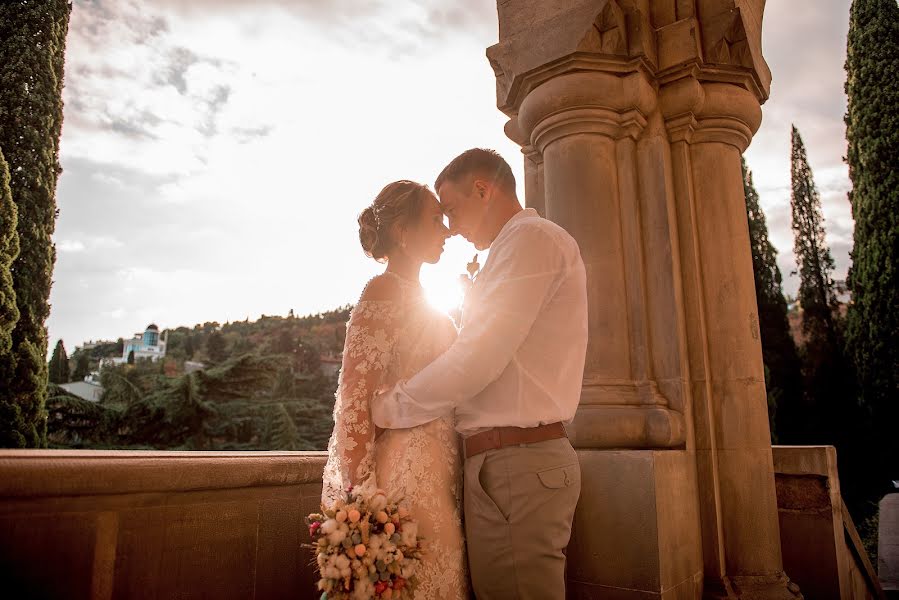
(367, 354)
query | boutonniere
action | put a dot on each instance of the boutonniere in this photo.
(466, 281)
(473, 268)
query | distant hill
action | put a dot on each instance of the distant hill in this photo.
(262, 389)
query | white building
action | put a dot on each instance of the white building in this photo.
(144, 345)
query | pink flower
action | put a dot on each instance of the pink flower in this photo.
(354, 516)
(313, 528)
(360, 550)
(389, 528)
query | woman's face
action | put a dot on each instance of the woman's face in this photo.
(426, 234)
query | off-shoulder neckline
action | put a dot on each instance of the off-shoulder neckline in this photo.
(402, 280)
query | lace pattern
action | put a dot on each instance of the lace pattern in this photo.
(388, 341)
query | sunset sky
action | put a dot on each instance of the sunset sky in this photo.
(216, 152)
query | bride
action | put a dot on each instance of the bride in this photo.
(391, 335)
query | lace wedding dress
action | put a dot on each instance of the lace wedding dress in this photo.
(388, 341)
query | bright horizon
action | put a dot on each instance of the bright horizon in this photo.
(216, 154)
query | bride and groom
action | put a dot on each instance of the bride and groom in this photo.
(470, 418)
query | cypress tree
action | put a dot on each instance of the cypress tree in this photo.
(11, 420)
(82, 366)
(872, 130)
(828, 389)
(59, 365)
(32, 56)
(779, 354)
(816, 290)
(9, 250)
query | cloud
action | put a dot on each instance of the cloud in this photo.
(180, 60)
(806, 91)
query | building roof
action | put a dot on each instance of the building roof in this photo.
(84, 390)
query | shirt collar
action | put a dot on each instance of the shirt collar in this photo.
(527, 213)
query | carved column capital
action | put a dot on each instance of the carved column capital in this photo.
(698, 112)
(586, 102)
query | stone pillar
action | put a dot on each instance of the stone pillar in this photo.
(632, 116)
(710, 125)
(534, 192)
(585, 125)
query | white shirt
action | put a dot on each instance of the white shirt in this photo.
(519, 357)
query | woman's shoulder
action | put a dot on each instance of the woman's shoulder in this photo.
(382, 288)
(381, 299)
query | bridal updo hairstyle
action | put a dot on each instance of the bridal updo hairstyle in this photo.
(398, 204)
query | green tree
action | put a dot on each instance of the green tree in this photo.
(82, 366)
(283, 432)
(829, 393)
(9, 250)
(10, 414)
(32, 57)
(59, 364)
(872, 130)
(285, 384)
(782, 368)
(817, 295)
(215, 347)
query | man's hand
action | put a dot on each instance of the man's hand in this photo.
(380, 415)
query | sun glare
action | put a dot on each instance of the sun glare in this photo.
(443, 293)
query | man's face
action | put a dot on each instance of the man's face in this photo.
(465, 205)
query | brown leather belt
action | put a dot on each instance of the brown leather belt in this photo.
(501, 437)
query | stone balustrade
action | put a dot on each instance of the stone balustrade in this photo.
(822, 550)
(80, 524)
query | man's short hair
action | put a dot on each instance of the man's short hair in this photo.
(479, 162)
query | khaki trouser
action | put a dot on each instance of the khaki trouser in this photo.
(519, 504)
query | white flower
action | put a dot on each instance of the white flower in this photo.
(409, 533)
(336, 537)
(329, 526)
(378, 502)
(364, 590)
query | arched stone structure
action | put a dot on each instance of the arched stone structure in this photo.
(632, 116)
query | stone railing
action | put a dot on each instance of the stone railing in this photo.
(822, 551)
(122, 524)
(149, 524)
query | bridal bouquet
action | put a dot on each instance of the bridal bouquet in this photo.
(366, 547)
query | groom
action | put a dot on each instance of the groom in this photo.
(513, 377)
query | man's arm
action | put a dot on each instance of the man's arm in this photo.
(525, 272)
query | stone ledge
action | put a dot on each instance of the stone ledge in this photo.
(37, 473)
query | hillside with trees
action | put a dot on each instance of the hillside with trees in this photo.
(263, 388)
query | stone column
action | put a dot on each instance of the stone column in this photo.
(710, 125)
(632, 116)
(585, 126)
(534, 192)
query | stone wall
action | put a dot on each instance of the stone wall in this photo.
(114, 524)
(101, 525)
(822, 551)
